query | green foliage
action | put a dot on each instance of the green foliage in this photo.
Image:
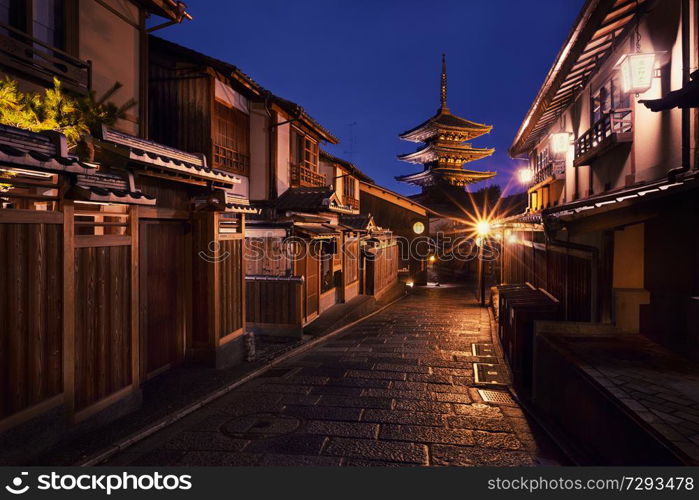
(53, 109)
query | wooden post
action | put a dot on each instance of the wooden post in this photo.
(69, 306)
(135, 300)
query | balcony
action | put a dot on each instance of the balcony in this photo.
(38, 60)
(551, 170)
(305, 177)
(611, 130)
(351, 202)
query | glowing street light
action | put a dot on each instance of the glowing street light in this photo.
(483, 228)
(526, 175)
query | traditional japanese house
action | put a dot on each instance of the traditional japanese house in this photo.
(609, 231)
(409, 222)
(109, 256)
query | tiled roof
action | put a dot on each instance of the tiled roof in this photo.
(42, 151)
(109, 195)
(170, 160)
(445, 120)
(351, 167)
(302, 198)
(229, 69)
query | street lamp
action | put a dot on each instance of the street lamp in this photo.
(526, 175)
(482, 231)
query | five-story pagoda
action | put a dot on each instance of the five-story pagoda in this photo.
(445, 150)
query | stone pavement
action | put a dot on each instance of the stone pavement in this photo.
(396, 389)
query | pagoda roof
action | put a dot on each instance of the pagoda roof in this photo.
(452, 176)
(445, 121)
(432, 151)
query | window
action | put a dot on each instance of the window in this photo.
(304, 150)
(40, 19)
(231, 139)
(609, 98)
(348, 187)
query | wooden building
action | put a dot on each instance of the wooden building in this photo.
(118, 266)
(408, 221)
(611, 140)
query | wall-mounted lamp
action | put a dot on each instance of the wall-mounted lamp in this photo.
(560, 142)
(526, 175)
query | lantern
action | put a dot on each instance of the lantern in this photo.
(560, 142)
(525, 176)
(418, 227)
(636, 72)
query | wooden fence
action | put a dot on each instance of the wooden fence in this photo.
(275, 303)
(381, 269)
(565, 273)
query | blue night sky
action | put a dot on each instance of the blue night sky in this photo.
(369, 70)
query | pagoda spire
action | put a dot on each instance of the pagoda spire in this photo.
(443, 90)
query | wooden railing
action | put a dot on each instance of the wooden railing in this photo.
(305, 177)
(550, 169)
(612, 128)
(40, 60)
(230, 160)
(351, 202)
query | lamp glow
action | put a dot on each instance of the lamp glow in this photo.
(637, 72)
(432, 258)
(526, 175)
(418, 227)
(560, 142)
(483, 228)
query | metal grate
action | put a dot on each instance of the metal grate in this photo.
(498, 397)
(483, 350)
(488, 373)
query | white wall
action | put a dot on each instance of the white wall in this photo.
(259, 152)
(282, 166)
(112, 45)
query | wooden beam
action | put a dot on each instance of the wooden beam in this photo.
(135, 298)
(22, 216)
(69, 305)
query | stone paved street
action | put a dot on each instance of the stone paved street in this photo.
(396, 389)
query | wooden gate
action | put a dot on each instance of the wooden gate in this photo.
(162, 312)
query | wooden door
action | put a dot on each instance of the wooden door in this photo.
(162, 256)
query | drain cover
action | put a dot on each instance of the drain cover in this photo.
(499, 397)
(488, 373)
(486, 350)
(260, 426)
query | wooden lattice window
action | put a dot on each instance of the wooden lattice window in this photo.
(231, 139)
(304, 151)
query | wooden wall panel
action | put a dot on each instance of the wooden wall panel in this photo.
(275, 301)
(102, 323)
(231, 276)
(30, 311)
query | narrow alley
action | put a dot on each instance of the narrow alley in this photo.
(396, 389)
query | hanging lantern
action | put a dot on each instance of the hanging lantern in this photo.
(560, 143)
(637, 71)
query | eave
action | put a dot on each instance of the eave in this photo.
(432, 128)
(432, 152)
(454, 177)
(600, 27)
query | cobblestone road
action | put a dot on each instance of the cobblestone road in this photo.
(397, 389)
